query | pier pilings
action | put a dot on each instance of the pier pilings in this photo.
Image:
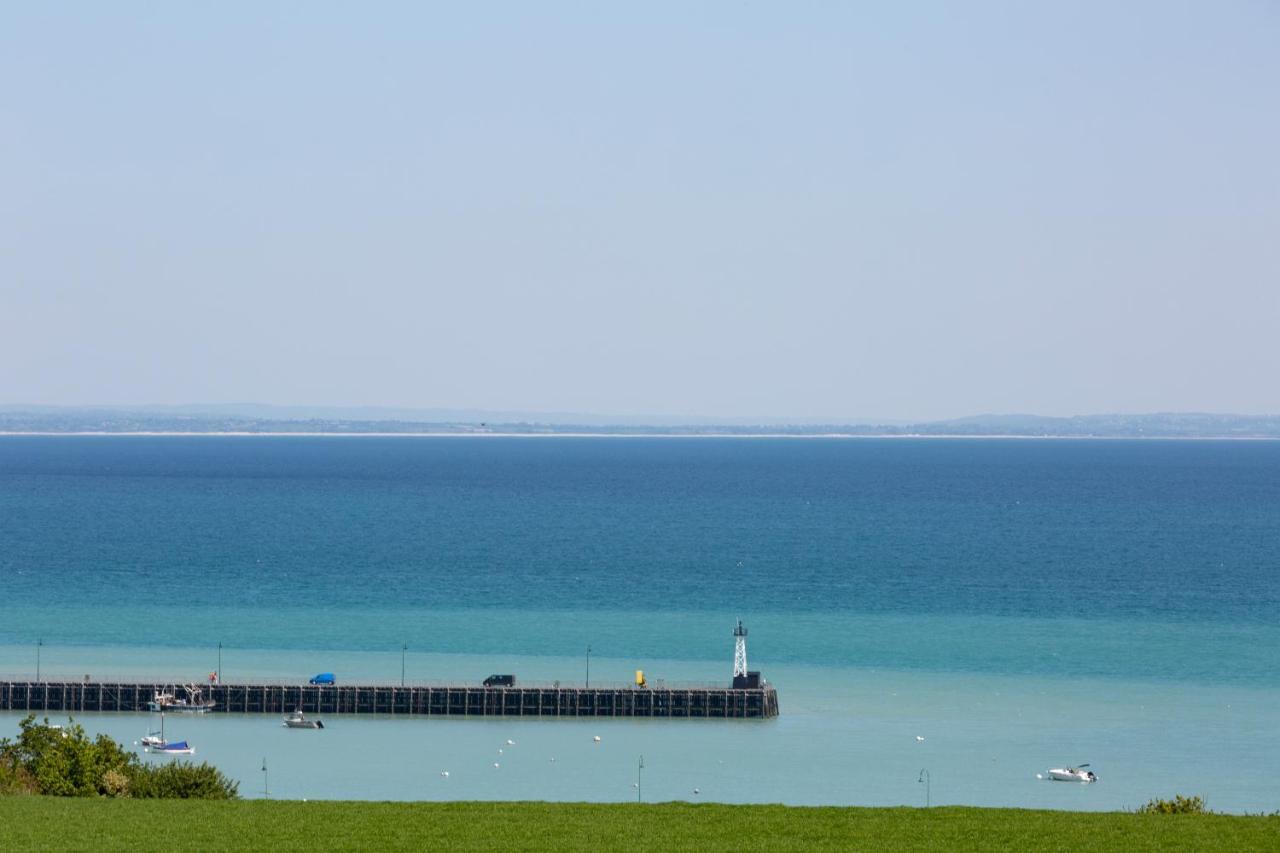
(418, 701)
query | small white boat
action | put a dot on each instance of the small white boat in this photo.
(154, 741)
(296, 720)
(180, 747)
(1072, 774)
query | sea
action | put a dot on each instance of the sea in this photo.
(943, 619)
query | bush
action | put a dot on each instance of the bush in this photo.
(183, 780)
(1178, 805)
(62, 762)
(65, 762)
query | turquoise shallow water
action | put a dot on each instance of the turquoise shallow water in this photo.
(1019, 605)
(845, 736)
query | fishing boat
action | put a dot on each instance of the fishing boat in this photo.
(1072, 774)
(193, 703)
(296, 720)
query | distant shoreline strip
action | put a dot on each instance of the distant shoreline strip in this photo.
(816, 435)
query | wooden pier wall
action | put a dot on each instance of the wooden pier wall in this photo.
(76, 696)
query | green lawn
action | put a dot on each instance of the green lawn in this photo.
(43, 823)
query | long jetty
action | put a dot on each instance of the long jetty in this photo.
(419, 701)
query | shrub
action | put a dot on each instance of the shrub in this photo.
(64, 762)
(115, 783)
(184, 781)
(1178, 805)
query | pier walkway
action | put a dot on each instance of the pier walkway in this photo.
(421, 701)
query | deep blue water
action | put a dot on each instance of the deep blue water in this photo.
(1128, 558)
(1017, 604)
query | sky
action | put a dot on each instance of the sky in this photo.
(898, 211)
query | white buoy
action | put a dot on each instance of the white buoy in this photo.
(495, 764)
(510, 742)
(1039, 775)
(696, 791)
(919, 739)
(499, 750)
(596, 738)
(444, 773)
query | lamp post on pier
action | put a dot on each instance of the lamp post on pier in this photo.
(39, 643)
(219, 661)
(588, 665)
(639, 773)
(404, 647)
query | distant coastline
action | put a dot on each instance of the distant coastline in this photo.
(830, 436)
(53, 421)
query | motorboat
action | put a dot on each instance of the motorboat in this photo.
(1072, 774)
(297, 720)
(192, 703)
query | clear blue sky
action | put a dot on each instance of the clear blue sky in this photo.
(906, 210)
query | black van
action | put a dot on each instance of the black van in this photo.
(500, 681)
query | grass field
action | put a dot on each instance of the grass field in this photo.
(43, 823)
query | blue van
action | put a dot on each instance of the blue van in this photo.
(323, 678)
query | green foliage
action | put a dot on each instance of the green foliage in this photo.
(65, 762)
(48, 823)
(183, 780)
(1178, 805)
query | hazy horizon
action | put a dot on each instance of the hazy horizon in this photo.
(813, 212)
(269, 411)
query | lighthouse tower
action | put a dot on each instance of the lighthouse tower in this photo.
(739, 652)
(742, 678)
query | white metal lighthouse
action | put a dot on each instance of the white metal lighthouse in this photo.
(739, 651)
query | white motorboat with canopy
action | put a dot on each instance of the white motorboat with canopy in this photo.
(296, 720)
(1072, 774)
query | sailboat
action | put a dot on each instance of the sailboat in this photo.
(156, 742)
(178, 747)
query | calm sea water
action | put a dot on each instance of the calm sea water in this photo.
(1018, 604)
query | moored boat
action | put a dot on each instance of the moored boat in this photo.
(297, 720)
(193, 703)
(1072, 774)
(179, 747)
(155, 741)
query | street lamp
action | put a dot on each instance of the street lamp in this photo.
(928, 794)
(404, 647)
(588, 665)
(639, 771)
(39, 643)
(266, 790)
(219, 662)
